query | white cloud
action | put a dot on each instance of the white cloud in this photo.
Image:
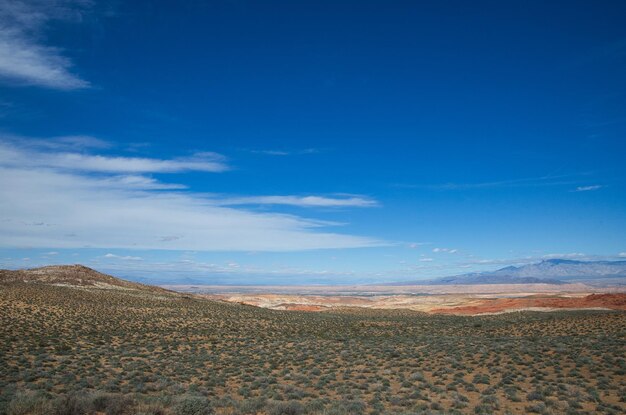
(622, 254)
(67, 143)
(541, 181)
(535, 259)
(82, 209)
(588, 188)
(272, 152)
(446, 250)
(426, 259)
(415, 245)
(109, 217)
(23, 58)
(568, 255)
(72, 142)
(29, 155)
(96, 163)
(285, 152)
(137, 182)
(123, 257)
(302, 201)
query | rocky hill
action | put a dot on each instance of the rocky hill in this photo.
(73, 275)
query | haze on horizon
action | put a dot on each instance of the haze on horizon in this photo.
(310, 142)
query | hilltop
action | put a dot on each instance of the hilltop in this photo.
(74, 276)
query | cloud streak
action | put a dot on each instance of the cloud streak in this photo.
(123, 257)
(70, 142)
(24, 60)
(26, 155)
(588, 188)
(286, 152)
(302, 201)
(542, 181)
(445, 250)
(80, 201)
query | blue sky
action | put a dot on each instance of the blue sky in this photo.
(310, 142)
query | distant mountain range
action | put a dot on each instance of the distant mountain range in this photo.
(550, 271)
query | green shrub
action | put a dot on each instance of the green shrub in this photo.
(193, 405)
(286, 408)
(71, 404)
(28, 403)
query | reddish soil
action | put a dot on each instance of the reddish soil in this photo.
(303, 307)
(608, 301)
(443, 304)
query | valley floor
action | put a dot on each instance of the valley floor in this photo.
(457, 304)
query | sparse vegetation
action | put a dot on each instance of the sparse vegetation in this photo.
(83, 350)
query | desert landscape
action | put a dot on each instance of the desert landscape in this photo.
(436, 304)
(545, 286)
(76, 341)
(237, 207)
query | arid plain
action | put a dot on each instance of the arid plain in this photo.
(75, 341)
(442, 299)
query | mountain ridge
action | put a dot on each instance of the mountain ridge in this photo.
(548, 271)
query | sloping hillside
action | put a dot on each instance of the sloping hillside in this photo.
(73, 275)
(110, 351)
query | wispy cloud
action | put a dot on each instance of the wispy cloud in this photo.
(28, 154)
(207, 162)
(445, 250)
(415, 245)
(84, 214)
(570, 255)
(536, 258)
(588, 188)
(541, 181)
(83, 201)
(123, 257)
(302, 201)
(271, 152)
(286, 152)
(136, 182)
(72, 142)
(24, 59)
